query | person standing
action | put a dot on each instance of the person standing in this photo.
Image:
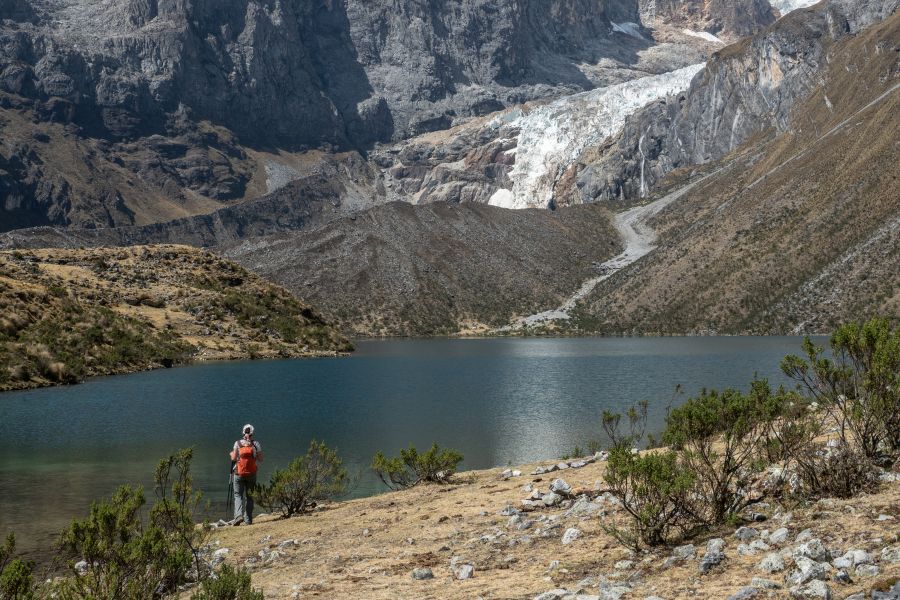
(244, 456)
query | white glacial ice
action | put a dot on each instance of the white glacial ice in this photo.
(786, 6)
(704, 35)
(553, 136)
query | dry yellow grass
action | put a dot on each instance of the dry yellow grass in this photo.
(428, 525)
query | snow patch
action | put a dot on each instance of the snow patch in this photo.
(503, 198)
(553, 136)
(704, 35)
(788, 6)
(629, 28)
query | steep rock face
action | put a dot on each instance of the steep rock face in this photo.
(297, 72)
(744, 90)
(728, 19)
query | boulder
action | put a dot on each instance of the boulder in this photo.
(814, 550)
(772, 563)
(714, 555)
(551, 499)
(685, 552)
(571, 535)
(422, 574)
(463, 571)
(746, 534)
(766, 584)
(866, 571)
(560, 487)
(779, 536)
(814, 590)
(807, 570)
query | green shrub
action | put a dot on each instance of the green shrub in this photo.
(637, 426)
(228, 584)
(16, 575)
(410, 468)
(318, 475)
(859, 387)
(719, 435)
(655, 490)
(131, 558)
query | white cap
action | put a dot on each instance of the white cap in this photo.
(248, 429)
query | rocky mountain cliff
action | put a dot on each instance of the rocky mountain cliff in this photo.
(127, 113)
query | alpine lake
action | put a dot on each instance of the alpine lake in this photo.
(503, 401)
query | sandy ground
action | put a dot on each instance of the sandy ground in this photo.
(368, 548)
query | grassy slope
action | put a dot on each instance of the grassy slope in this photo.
(799, 232)
(69, 314)
(428, 525)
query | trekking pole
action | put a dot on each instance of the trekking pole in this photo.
(229, 496)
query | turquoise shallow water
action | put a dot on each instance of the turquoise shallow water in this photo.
(499, 401)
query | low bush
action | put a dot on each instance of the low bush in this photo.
(228, 584)
(719, 435)
(655, 489)
(839, 472)
(410, 468)
(318, 475)
(858, 387)
(16, 575)
(129, 557)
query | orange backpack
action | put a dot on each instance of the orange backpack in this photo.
(246, 464)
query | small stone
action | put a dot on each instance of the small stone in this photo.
(866, 571)
(772, 563)
(745, 550)
(506, 474)
(624, 565)
(422, 573)
(528, 487)
(508, 511)
(562, 466)
(462, 572)
(807, 570)
(571, 535)
(779, 536)
(842, 576)
(890, 555)
(551, 499)
(713, 556)
(760, 546)
(813, 549)
(552, 595)
(366, 532)
(814, 590)
(744, 594)
(560, 487)
(766, 584)
(81, 567)
(884, 518)
(745, 534)
(287, 544)
(859, 596)
(804, 535)
(685, 552)
(516, 473)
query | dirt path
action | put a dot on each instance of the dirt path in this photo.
(639, 239)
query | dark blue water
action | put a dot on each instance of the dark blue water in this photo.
(499, 401)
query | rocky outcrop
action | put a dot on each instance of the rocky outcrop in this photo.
(727, 19)
(745, 89)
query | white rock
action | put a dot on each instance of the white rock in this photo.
(685, 552)
(779, 536)
(571, 535)
(772, 563)
(807, 570)
(866, 571)
(760, 545)
(81, 567)
(624, 565)
(463, 571)
(890, 555)
(813, 549)
(551, 499)
(814, 590)
(516, 473)
(556, 594)
(560, 487)
(745, 534)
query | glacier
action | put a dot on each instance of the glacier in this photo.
(552, 137)
(787, 6)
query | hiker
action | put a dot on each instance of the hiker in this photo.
(244, 456)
